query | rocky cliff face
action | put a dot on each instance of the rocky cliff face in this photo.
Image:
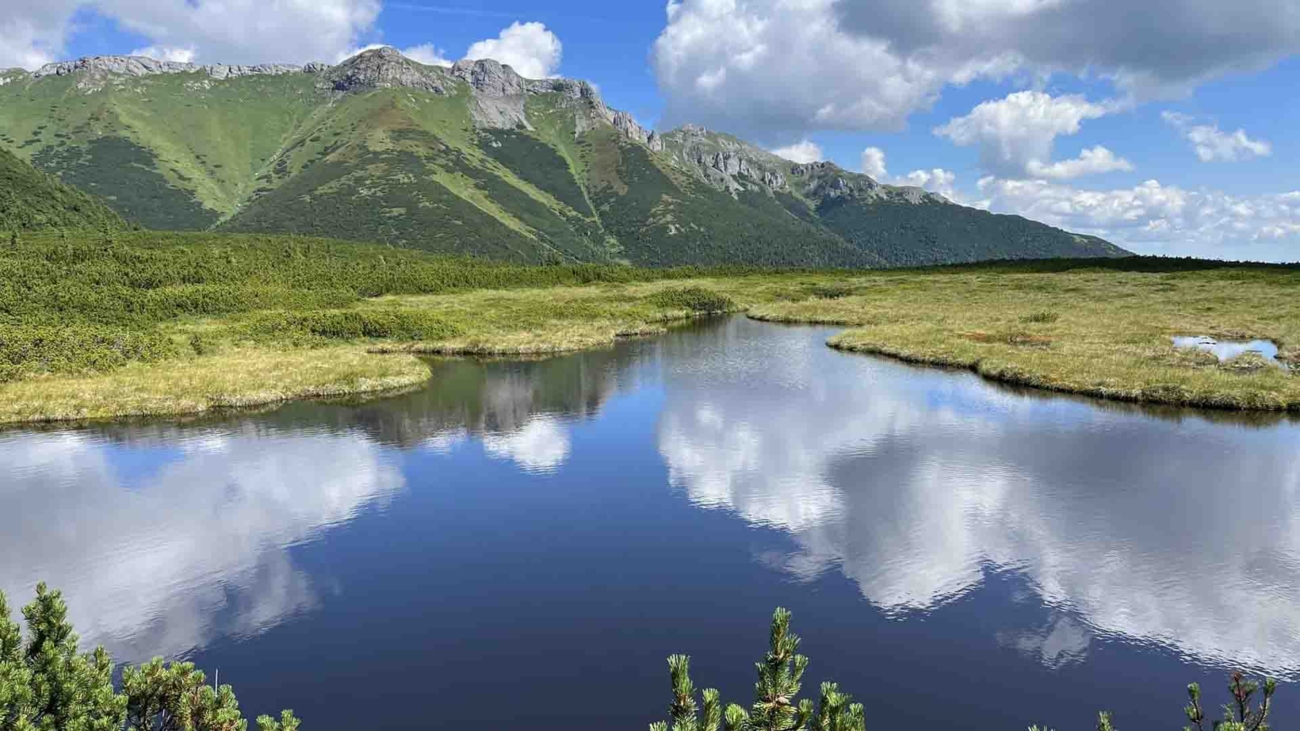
(499, 93)
(724, 161)
(93, 70)
(826, 180)
(735, 165)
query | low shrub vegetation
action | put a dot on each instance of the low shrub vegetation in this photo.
(777, 706)
(314, 327)
(30, 350)
(694, 299)
(46, 682)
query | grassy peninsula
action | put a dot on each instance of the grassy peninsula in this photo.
(115, 324)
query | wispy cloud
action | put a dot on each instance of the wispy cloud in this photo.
(482, 13)
(452, 10)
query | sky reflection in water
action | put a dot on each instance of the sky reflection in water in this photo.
(661, 497)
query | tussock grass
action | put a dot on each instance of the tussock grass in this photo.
(693, 299)
(1098, 331)
(238, 377)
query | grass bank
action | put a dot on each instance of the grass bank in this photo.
(1076, 328)
(118, 324)
(113, 325)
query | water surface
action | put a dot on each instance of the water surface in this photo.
(528, 541)
(1226, 350)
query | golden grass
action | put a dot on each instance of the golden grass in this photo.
(240, 373)
(238, 377)
(1093, 332)
(534, 322)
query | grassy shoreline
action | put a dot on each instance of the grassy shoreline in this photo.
(166, 324)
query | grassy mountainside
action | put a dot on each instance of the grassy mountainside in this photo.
(31, 200)
(893, 225)
(471, 160)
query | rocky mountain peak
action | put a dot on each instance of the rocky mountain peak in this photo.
(382, 68)
(486, 76)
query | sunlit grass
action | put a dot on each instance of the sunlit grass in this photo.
(237, 377)
(1089, 331)
(1100, 333)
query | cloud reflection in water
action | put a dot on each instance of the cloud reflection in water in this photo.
(912, 481)
(193, 549)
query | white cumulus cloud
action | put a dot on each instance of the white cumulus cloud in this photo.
(216, 31)
(529, 48)
(1092, 161)
(179, 55)
(797, 65)
(1019, 131)
(1157, 218)
(1213, 144)
(873, 163)
(802, 152)
(936, 180)
(32, 32)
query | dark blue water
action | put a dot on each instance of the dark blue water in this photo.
(528, 541)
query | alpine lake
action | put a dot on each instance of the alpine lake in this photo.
(522, 543)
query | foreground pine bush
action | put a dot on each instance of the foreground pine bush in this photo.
(47, 684)
(777, 706)
(29, 350)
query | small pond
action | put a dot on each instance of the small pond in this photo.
(1226, 350)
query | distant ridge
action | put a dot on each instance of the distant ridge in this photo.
(471, 158)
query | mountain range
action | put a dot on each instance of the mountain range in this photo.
(471, 158)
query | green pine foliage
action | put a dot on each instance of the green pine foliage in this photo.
(126, 175)
(695, 299)
(399, 201)
(30, 350)
(777, 706)
(75, 303)
(537, 163)
(32, 201)
(47, 684)
(318, 327)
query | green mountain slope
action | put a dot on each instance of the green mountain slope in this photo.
(468, 159)
(32, 200)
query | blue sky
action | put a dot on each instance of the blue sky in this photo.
(1168, 126)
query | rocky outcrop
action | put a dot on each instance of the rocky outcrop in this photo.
(625, 123)
(101, 66)
(383, 68)
(724, 161)
(489, 77)
(826, 180)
